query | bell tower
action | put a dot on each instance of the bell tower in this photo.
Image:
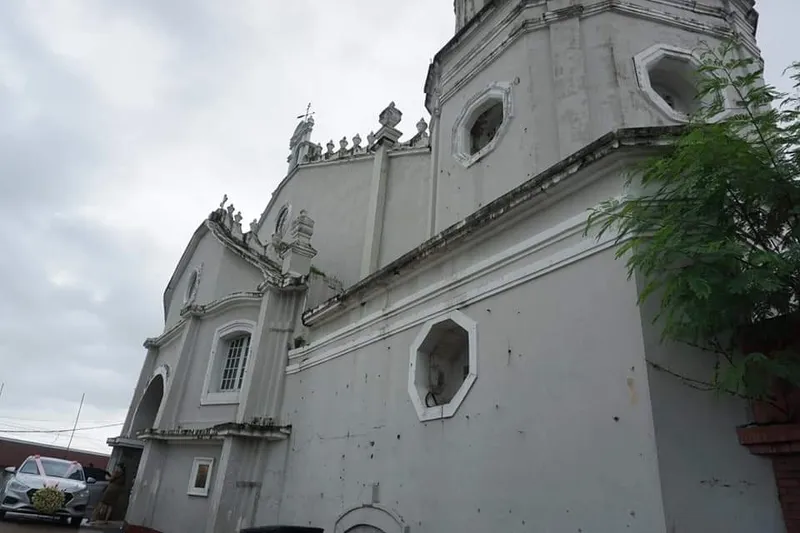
(466, 11)
(525, 84)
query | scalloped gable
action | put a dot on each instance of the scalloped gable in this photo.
(213, 225)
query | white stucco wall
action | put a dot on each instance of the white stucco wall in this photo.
(191, 413)
(336, 197)
(208, 253)
(405, 225)
(551, 389)
(710, 482)
(235, 275)
(174, 510)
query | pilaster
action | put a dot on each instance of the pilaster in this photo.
(435, 128)
(173, 396)
(237, 486)
(144, 499)
(569, 76)
(385, 138)
(262, 390)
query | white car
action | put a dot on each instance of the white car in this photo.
(34, 474)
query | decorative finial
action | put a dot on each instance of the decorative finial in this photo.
(330, 146)
(254, 226)
(422, 126)
(391, 116)
(238, 217)
(302, 228)
(231, 209)
(343, 144)
(371, 138)
(224, 201)
(357, 142)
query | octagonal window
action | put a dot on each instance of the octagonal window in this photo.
(482, 123)
(443, 366)
(669, 77)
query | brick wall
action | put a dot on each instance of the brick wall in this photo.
(781, 444)
(14, 452)
(787, 478)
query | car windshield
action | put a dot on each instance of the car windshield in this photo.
(62, 469)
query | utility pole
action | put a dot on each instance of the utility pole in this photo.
(66, 454)
(2, 386)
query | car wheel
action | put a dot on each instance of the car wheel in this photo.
(75, 521)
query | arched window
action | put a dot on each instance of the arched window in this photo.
(282, 220)
(227, 364)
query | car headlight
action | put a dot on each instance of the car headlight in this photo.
(17, 486)
(82, 493)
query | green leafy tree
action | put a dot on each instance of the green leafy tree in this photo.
(714, 230)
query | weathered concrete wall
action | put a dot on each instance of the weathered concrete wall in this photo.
(209, 253)
(407, 192)
(191, 412)
(709, 481)
(174, 510)
(551, 388)
(223, 273)
(556, 208)
(336, 197)
(235, 275)
(573, 80)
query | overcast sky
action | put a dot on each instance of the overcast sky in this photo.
(121, 126)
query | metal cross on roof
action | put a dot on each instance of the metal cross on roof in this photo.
(307, 114)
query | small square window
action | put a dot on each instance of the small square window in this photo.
(200, 480)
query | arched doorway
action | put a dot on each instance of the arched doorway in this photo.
(144, 418)
(364, 529)
(147, 411)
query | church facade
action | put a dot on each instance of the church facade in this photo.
(417, 336)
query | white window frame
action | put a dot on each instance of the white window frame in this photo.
(196, 464)
(192, 284)
(212, 395)
(282, 220)
(642, 62)
(447, 410)
(494, 92)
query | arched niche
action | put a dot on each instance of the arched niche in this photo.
(370, 519)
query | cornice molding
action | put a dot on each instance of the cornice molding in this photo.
(266, 431)
(237, 299)
(515, 202)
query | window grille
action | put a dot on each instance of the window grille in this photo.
(235, 363)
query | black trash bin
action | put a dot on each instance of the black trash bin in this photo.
(282, 529)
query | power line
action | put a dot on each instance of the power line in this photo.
(26, 419)
(51, 431)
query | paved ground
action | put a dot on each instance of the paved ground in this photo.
(14, 525)
(22, 524)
